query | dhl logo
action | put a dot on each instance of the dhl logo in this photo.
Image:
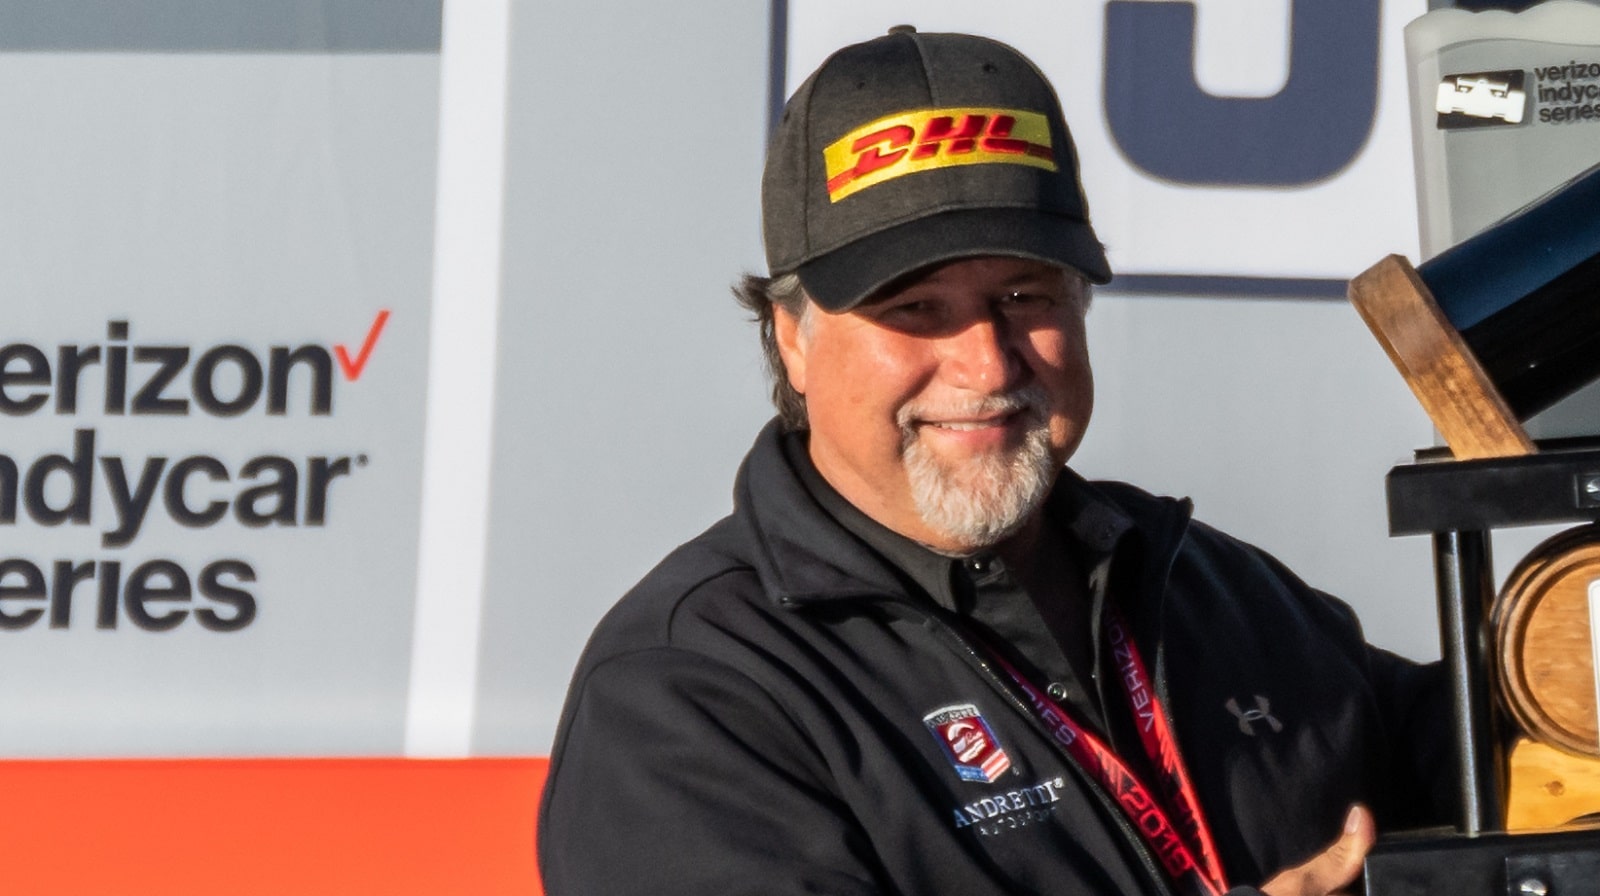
(926, 139)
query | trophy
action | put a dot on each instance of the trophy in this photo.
(1498, 335)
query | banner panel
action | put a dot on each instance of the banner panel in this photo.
(216, 269)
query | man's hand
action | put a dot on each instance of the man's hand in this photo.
(1335, 867)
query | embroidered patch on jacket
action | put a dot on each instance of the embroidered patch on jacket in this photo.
(969, 743)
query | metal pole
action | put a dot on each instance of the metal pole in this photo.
(1466, 589)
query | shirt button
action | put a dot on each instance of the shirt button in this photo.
(1057, 690)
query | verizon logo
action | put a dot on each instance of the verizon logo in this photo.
(123, 377)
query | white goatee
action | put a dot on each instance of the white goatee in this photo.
(979, 502)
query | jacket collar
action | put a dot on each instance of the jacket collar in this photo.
(803, 555)
(798, 550)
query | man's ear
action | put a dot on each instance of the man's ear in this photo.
(792, 347)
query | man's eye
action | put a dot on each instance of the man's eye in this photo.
(910, 310)
(916, 316)
(1028, 300)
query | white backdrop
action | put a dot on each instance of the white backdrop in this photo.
(551, 201)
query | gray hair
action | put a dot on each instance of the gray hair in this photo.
(761, 296)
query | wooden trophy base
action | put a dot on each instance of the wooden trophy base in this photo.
(1549, 788)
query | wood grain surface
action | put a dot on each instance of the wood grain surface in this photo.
(1550, 788)
(1455, 391)
(1544, 645)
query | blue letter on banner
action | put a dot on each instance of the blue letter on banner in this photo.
(1169, 127)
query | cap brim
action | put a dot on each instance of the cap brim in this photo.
(843, 278)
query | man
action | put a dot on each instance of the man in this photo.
(921, 656)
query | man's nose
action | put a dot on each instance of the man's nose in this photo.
(981, 357)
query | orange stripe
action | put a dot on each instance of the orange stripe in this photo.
(271, 826)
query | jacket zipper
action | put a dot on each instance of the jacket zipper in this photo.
(1171, 533)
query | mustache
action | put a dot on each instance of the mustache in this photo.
(1030, 399)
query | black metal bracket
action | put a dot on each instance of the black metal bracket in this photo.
(1559, 484)
(1557, 863)
(1458, 502)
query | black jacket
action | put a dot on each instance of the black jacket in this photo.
(749, 719)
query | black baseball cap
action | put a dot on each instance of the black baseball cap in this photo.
(912, 149)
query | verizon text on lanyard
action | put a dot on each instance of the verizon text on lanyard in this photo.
(1170, 823)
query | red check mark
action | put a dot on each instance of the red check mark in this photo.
(352, 369)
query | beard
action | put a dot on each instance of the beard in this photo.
(978, 502)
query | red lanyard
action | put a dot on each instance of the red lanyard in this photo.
(1186, 849)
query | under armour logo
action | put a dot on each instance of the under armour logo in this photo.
(1249, 717)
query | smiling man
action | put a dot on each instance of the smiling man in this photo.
(922, 656)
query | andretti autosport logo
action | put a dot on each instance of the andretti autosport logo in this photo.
(969, 743)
